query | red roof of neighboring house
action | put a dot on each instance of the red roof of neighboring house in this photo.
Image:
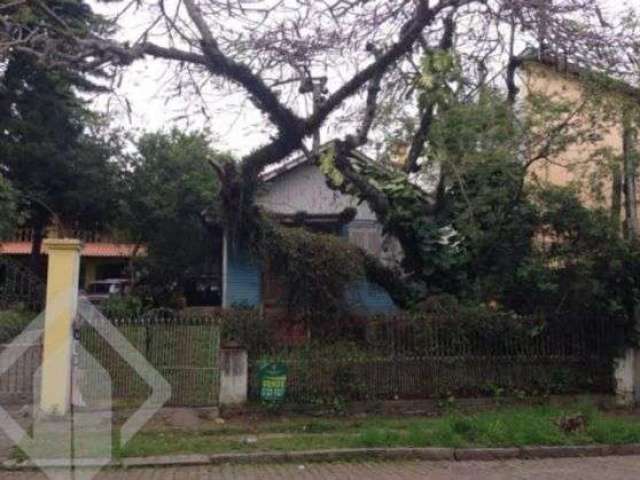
(114, 250)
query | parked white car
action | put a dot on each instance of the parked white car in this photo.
(98, 291)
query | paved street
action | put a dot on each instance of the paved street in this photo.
(610, 468)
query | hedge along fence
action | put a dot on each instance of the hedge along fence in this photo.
(184, 350)
(440, 356)
(424, 356)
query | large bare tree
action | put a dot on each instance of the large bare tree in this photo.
(358, 62)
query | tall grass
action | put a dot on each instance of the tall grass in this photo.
(503, 427)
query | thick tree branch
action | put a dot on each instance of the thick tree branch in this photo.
(220, 64)
(426, 119)
(377, 200)
(411, 33)
(420, 137)
(512, 88)
(112, 51)
(96, 52)
(290, 141)
(512, 66)
(372, 102)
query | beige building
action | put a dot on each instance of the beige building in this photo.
(578, 122)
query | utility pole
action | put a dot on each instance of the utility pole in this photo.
(317, 87)
(628, 365)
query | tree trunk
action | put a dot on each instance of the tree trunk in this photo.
(616, 195)
(628, 155)
(35, 261)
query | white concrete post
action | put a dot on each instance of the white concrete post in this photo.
(625, 377)
(234, 375)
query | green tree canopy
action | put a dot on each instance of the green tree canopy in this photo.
(7, 207)
(171, 207)
(50, 151)
(62, 172)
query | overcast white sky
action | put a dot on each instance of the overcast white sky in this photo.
(144, 87)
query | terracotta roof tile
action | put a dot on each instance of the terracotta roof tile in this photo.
(114, 250)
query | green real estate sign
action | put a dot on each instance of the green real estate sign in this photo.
(273, 381)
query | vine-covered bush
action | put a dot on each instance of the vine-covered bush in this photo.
(247, 327)
(315, 268)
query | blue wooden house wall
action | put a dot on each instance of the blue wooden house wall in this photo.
(243, 287)
(368, 298)
(242, 283)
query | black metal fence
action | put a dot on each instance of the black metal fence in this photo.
(183, 350)
(19, 364)
(19, 287)
(435, 357)
(423, 356)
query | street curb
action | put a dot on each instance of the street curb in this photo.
(350, 454)
(486, 454)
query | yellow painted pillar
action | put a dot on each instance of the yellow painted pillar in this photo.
(60, 312)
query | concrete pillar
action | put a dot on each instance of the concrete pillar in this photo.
(625, 376)
(234, 375)
(60, 312)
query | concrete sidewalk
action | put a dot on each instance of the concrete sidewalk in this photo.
(609, 468)
(6, 445)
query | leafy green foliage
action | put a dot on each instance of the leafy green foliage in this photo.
(169, 205)
(471, 226)
(579, 262)
(60, 169)
(8, 207)
(47, 151)
(247, 327)
(429, 248)
(13, 322)
(122, 306)
(531, 248)
(55, 152)
(315, 268)
(440, 70)
(77, 15)
(472, 153)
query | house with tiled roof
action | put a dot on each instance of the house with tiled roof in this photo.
(295, 188)
(102, 255)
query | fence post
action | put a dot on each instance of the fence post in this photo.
(60, 310)
(234, 375)
(625, 378)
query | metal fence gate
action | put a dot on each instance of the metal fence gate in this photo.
(184, 350)
(19, 364)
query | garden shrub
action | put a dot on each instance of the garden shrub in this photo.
(315, 268)
(13, 322)
(447, 353)
(121, 307)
